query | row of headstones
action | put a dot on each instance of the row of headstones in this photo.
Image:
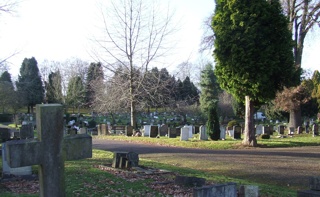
(25, 132)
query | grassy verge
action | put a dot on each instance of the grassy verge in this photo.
(229, 143)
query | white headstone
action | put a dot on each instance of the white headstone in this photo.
(230, 131)
(190, 130)
(222, 132)
(146, 129)
(203, 135)
(184, 136)
(259, 129)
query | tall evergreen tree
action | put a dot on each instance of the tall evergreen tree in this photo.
(95, 75)
(29, 84)
(253, 53)
(54, 88)
(7, 92)
(208, 101)
(76, 93)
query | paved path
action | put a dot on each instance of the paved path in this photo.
(289, 167)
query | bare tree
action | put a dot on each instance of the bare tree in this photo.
(303, 15)
(8, 7)
(134, 34)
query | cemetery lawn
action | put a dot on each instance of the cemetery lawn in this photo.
(274, 142)
(84, 178)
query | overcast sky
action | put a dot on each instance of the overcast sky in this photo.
(60, 29)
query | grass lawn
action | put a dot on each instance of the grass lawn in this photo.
(83, 179)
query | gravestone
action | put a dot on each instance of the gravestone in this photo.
(190, 129)
(314, 191)
(187, 181)
(184, 135)
(248, 191)
(172, 132)
(230, 131)
(125, 159)
(154, 131)
(178, 131)
(291, 131)
(50, 150)
(281, 129)
(26, 131)
(203, 134)
(237, 132)
(266, 130)
(99, 129)
(196, 129)
(216, 190)
(129, 130)
(104, 129)
(146, 129)
(315, 129)
(5, 134)
(82, 130)
(222, 133)
(259, 129)
(271, 130)
(299, 130)
(163, 130)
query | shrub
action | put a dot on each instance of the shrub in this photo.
(6, 117)
(92, 124)
(265, 136)
(233, 123)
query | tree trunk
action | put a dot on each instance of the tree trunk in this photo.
(249, 133)
(133, 115)
(295, 118)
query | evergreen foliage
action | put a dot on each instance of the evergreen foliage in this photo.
(7, 92)
(208, 101)
(29, 84)
(76, 92)
(213, 126)
(253, 49)
(54, 88)
(95, 75)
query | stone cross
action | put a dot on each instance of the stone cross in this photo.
(50, 150)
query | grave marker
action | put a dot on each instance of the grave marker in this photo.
(281, 129)
(4, 134)
(146, 129)
(203, 134)
(222, 133)
(154, 131)
(259, 129)
(184, 135)
(129, 130)
(50, 150)
(237, 132)
(315, 129)
(26, 131)
(163, 130)
(172, 132)
(216, 190)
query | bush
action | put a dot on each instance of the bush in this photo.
(92, 124)
(233, 123)
(6, 117)
(265, 136)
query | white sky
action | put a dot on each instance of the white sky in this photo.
(60, 29)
